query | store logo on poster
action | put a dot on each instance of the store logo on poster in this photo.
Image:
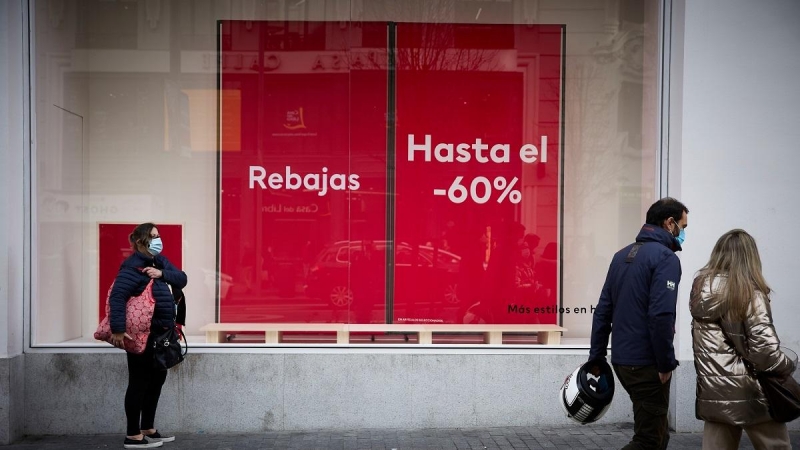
(295, 120)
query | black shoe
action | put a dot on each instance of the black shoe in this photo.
(143, 443)
(157, 437)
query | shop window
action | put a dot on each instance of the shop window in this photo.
(325, 163)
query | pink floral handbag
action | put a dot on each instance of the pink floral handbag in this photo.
(138, 316)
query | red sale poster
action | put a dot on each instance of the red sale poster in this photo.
(379, 172)
(114, 247)
(478, 139)
(302, 172)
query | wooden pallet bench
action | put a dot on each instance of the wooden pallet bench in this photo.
(215, 332)
(493, 334)
(546, 334)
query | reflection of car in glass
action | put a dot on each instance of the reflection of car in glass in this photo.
(341, 270)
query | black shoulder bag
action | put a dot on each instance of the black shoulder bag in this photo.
(782, 391)
(167, 349)
(783, 396)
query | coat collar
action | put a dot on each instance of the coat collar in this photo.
(653, 233)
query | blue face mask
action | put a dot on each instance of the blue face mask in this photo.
(681, 237)
(155, 246)
(681, 234)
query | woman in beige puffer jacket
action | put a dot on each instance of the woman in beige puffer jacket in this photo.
(731, 317)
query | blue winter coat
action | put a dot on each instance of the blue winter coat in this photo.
(638, 299)
(131, 281)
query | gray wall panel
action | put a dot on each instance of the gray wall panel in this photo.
(12, 401)
(83, 393)
(348, 391)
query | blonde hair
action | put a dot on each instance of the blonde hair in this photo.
(735, 256)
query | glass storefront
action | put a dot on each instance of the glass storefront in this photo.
(342, 162)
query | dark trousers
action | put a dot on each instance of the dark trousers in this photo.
(650, 401)
(144, 389)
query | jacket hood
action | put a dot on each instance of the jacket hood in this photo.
(653, 233)
(703, 305)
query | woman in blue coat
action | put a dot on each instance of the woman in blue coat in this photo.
(144, 381)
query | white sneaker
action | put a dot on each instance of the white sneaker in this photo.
(157, 437)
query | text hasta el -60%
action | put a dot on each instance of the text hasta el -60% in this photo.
(481, 189)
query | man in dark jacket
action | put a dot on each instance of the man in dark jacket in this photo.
(639, 298)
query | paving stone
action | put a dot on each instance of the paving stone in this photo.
(601, 437)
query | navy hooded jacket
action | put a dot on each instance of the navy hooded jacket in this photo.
(131, 281)
(639, 299)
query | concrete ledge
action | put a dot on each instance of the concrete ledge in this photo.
(256, 392)
(260, 392)
(12, 401)
(683, 396)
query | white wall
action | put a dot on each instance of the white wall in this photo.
(740, 147)
(11, 200)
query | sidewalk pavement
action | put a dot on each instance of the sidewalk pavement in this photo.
(597, 436)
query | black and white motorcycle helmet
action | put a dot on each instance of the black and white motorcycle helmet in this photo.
(587, 392)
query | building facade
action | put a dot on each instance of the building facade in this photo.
(466, 165)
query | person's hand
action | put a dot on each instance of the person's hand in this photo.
(118, 339)
(664, 377)
(152, 272)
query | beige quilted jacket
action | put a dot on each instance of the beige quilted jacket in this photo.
(726, 391)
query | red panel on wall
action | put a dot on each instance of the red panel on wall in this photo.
(114, 247)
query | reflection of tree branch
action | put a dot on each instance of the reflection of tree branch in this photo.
(433, 49)
(430, 55)
(429, 58)
(590, 136)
